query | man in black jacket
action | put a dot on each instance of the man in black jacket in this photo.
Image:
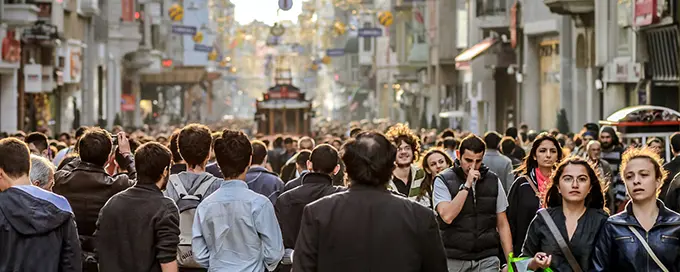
(38, 227)
(367, 227)
(138, 229)
(88, 187)
(471, 205)
(317, 183)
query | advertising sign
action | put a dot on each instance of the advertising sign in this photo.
(202, 48)
(645, 12)
(337, 52)
(32, 78)
(370, 32)
(183, 30)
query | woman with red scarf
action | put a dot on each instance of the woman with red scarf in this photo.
(533, 178)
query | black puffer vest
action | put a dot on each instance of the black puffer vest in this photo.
(472, 235)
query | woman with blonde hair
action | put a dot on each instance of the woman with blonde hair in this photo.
(646, 235)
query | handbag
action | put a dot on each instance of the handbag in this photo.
(648, 249)
(560, 241)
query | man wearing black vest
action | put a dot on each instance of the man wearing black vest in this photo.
(471, 204)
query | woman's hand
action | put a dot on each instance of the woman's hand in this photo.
(540, 261)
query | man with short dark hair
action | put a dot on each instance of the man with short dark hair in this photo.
(289, 171)
(507, 147)
(301, 165)
(471, 204)
(450, 145)
(368, 224)
(259, 179)
(38, 228)
(138, 229)
(88, 187)
(317, 183)
(194, 142)
(38, 144)
(235, 229)
(497, 162)
(519, 152)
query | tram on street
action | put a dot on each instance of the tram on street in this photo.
(284, 109)
(639, 123)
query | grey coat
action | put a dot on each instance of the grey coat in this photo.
(501, 166)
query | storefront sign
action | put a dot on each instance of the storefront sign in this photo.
(202, 48)
(645, 12)
(370, 32)
(73, 65)
(32, 78)
(11, 48)
(47, 79)
(623, 70)
(183, 30)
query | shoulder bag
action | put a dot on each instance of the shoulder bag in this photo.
(533, 187)
(560, 241)
(648, 249)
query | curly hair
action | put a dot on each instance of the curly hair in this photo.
(595, 199)
(645, 153)
(402, 133)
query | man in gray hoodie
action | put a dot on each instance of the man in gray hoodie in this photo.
(194, 142)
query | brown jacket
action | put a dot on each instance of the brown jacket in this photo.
(87, 187)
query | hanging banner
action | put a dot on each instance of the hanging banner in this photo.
(32, 78)
(72, 62)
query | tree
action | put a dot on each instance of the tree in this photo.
(423, 120)
(562, 121)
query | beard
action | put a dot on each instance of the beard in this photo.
(606, 145)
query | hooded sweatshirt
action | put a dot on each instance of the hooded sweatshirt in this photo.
(191, 182)
(38, 231)
(263, 182)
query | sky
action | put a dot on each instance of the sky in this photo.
(264, 11)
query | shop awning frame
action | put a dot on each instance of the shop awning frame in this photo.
(463, 59)
(177, 76)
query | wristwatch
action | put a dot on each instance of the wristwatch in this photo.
(463, 187)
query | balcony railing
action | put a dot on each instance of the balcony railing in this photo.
(491, 7)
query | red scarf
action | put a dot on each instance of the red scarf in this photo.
(541, 180)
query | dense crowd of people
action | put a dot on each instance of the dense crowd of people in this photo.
(373, 196)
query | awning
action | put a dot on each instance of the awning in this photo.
(463, 59)
(176, 76)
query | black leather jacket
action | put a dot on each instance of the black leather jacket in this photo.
(617, 248)
(88, 187)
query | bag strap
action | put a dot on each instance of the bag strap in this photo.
(177, 185)
(203, 188)
(648, 249)
(560, 241)
(533, 186)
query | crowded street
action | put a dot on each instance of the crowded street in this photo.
(340, 135)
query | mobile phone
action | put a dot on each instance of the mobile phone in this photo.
(114, 138)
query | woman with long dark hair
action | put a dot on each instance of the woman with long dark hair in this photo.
(575, 206)
(646, 235)
(526, 193)
(434, 161)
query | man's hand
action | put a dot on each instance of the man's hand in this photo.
(472, 176)
(123, 144)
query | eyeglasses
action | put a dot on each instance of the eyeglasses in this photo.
(580, 179)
